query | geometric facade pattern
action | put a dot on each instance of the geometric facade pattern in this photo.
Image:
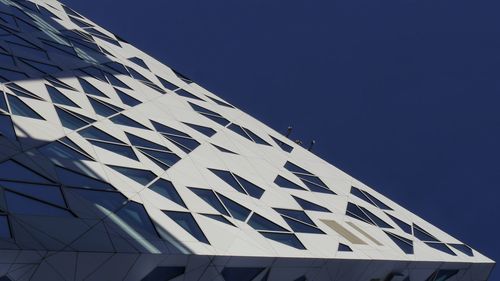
(114, 166)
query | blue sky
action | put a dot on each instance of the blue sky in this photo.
(402, 95)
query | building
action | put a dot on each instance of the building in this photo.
(114, 166)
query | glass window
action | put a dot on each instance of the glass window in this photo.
(423, 235)
(40, 66)
(167, 190)
(3, 103)
(140, 142)
(316, 188)
(139, 62)
(295, 214)
(441, 247)
(167, 158)
(108, 201)
(18, 107)
(164, 273)
(90, 89)
(136, 216)
(220, 120)
(236, 210)
(140, 176)
(6, 127)
(223, 149)
(404, 244)
(306, 205)
(186, 144)
(229, 179)
(285, 238)
(47, 193)
(19, 172)
(300, 227)
(283, 182)
(113, 80)
(284, 146)
(202, 129)
(219, 218)
(378, 221)
(127, 99)
(94, 133)
(295, 169)
(344, 248)
(167, 130)
(57, 97)
(166, 84)
(117, 67)
(58, 83)
(241, 273)
(256, 138)
(237, 129)
(403, 225)
(442, 275)
(260, 223)
(355, 212)
(4, 228)
(69, 120)
(101, 108)
(72, 178)
(19, 204)
(219, 102)
(57, 150)
(122, 150)
(21, 92)
(186, 221)
(126, 121)
(463, 248)
(184, 93)
(250, 188)
(210, 197)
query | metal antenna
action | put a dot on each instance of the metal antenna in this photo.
(288, 131)
(313, 142)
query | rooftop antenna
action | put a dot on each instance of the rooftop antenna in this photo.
(313, 142)
(288, 131)
(299, 142)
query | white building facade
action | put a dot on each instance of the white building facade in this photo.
(114, 166)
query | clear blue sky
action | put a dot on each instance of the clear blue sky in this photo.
(402, 94)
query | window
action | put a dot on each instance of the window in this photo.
(284, 183)
(301, 227)
(283, 145)
(136, 216)
(164, 159)
(236, 210)
(19, 204)
(222, 149)
(166, 84)
(246, 133)
(47, 193)
(167, 190)
(441, 247)
(4, 228)
(126, 121)
(127, 99)
(123, 150)
(19, 108)
(21, 92)
(285, 238)
(113, 80)
(344, 248)
(219, 218)
(57, 150)
(363, 214)
(403, 225)
(404, 244)
(306, 205)
(241, 273)
(90, 89)
(75, 179)
(260, 223)
(164, 273)
(423, 235)
(103, 108)
(18, 172)
(210, 198)
(442, 275)
(6, 127)
(96, 134)
(239, 183)
(143, 143)
(368, 198)
(463, 248)
(313, 182)
(214, 116)
(219, 102)
(186, 94)
(140, 176)
(186, 221)
(202, 129)
(69, 120)
(57, 97)
(139, 62)
(182, 140)
(295, 214)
